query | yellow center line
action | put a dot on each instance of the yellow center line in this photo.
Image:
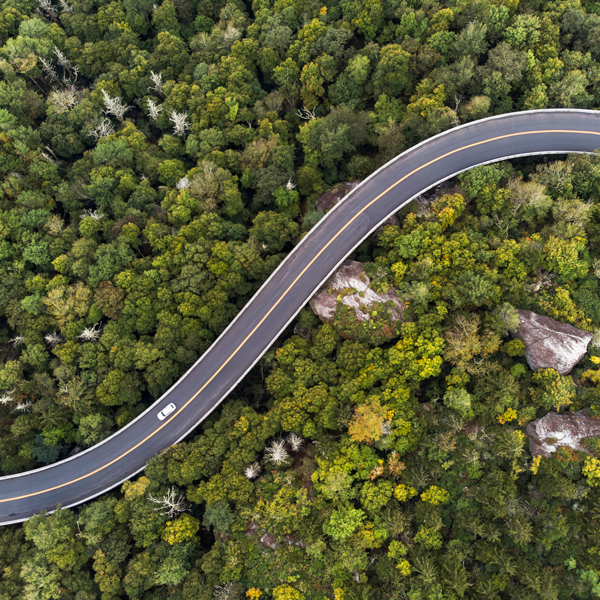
(391, 187)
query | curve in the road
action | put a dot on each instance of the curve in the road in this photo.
(203, 387)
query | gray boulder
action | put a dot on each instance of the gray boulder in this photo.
(554, 430)
(338, 192)
(349, 303)
(550, 344)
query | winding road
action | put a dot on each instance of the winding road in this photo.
(208, 382)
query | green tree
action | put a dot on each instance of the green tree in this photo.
(367, 422)
(287, 592)
(552, 390)
(218, 516)
(392, 75)
(182, 530)
(165, 18)
(54, 536)
(312, 85)
(459, 399)
(118, 388)
(374, 496)
(343, 522)
(273, 230)
(435, 495)
(333, 137)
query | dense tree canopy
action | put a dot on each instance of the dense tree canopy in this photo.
(157, 162)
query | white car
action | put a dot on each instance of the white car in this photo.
(166, 411)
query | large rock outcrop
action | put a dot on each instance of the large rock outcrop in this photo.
(551, 344)
(554, 430)
(348, 303)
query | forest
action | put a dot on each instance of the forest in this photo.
(158, 161)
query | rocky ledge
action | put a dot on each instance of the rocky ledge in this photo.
(554, 430)
(550, 344)
(334, 195)
(349, 303)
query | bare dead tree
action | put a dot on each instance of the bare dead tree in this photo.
(295, 441)
(7, 397)
(17, 341)
(227, 591)
(73, 391)
(93, 214)
(230, 35)
(306, 114)
(53, 339)
(114, 106)
(70, 71)
(64, 96)
(63, 100)
(171, 504)
(46, 8)
(252, 471)
(49, 155)
(183, 183)
(104, 129)
(276, 452)
(157, 81)
(180, 124)
(48, 68)
(65, 7)
(457, 100)
(154, 109)
(91, 334)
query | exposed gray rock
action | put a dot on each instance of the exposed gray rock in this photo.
(554, 430)
(303, 332)
(74, 451)
(330, 198)
(550, 344)
(351, 275)
(338, 192)
(270, 540)
(391, 220)
(351, 286)
(425, 200)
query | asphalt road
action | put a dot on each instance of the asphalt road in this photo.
(106, 465)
